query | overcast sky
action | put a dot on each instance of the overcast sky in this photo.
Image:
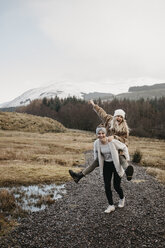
(116, 41)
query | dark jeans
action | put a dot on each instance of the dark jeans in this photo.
(108, 171)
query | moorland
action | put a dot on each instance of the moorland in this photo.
(34, 151)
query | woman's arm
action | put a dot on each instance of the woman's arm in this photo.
(100, 112)
(95, 150)
(122, 138)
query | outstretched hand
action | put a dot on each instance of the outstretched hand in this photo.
(91, 102)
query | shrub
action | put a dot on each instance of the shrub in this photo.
(45, 200)
(7, 200)
(137, 156)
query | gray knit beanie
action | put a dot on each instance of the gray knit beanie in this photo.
(103, 129)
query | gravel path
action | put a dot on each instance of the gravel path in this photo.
(78, 219)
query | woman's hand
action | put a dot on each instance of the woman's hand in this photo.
(110, 138)
(91, 102)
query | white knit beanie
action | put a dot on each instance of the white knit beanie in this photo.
(119, 112)
(103, 129)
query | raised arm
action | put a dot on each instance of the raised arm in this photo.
(100, 112)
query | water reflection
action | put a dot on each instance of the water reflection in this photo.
(36, 197)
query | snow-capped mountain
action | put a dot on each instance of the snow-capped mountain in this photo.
(90, 90)
(60, 89)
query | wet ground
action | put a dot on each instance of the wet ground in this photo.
(34, 198)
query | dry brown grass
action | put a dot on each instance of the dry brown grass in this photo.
(33, 158)
(7, 200)
(6, 225)
(29, 123)
(45, 200)
(30, 158)
(153, 155)
(45, 157)
(153, 151)
(158, 173)
(8, 206)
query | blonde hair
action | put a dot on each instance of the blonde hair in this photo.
(122, 128)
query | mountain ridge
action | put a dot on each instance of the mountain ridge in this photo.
(70, 89)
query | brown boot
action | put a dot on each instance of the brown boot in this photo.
(76, 176)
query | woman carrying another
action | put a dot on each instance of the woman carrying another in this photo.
(117, 129)
(106, 152)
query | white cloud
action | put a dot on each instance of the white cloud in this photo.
(89, 40)
(114, 34)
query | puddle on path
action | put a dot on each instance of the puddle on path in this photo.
(36, 197)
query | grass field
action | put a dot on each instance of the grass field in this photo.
(153, 155)
(32, 158)
(28, 158)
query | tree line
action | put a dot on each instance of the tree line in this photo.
(146, 118)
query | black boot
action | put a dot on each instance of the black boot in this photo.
(129, 172)
(76, 176)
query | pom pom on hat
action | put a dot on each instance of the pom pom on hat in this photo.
(119, 112)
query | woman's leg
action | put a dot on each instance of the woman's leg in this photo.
(123, 161)
(107, 175)
(128, 168)
(117, 184)
(91, 167)
(77, 176)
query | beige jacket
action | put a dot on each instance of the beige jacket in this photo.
(114, 147)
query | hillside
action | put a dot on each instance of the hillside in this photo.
(146, 94)
(27, 122)
(145, 91)
(147, 87)
(98, 95)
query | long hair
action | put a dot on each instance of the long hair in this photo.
(119, 128)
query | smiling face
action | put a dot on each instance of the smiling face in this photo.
(101, 135)
(119, 118)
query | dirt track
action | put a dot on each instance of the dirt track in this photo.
(78, 219)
